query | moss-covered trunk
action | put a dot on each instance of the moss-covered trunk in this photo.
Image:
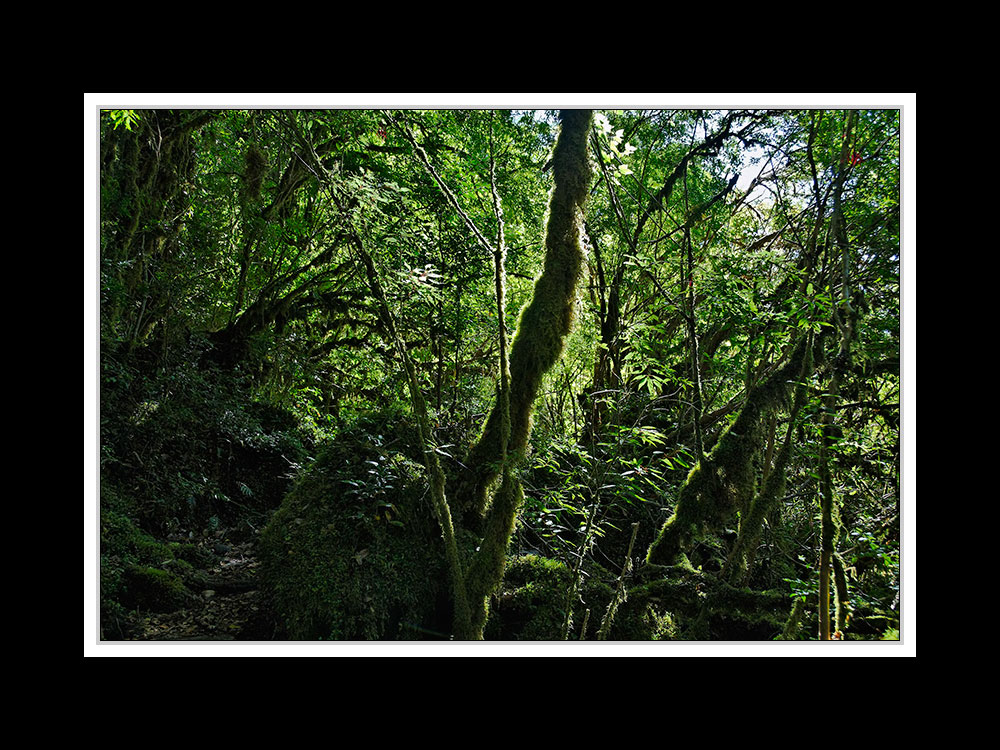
(830, 529)
(723, 480)
(545, 322)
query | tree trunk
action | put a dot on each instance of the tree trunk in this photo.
(545, 323)
(546, 320)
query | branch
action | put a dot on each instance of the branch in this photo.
(659, 201)
(462, 622)
(450, 196)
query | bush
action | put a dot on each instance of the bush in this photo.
(188, 445)
(354, 552)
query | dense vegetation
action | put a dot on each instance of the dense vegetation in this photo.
(504, 375)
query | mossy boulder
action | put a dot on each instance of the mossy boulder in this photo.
(680, 603)
(531, 605)
(152, 589)
(354, 552)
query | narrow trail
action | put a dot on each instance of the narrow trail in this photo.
(226, 604)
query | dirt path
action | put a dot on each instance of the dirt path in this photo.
(227, 605)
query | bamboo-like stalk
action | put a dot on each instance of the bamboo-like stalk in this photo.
(619, 596)
(577, 571)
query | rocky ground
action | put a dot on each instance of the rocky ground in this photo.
(227, 605)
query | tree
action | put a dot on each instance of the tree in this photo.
(545, 323)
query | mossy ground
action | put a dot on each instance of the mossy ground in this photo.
(154, 589)
(138, 572)
(681, 603)
(165, 590)
(190, 462)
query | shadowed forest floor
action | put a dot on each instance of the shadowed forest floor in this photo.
(227, 605)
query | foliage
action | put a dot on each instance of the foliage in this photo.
(126, 117)
(189, 445)
(137, 571)
(348, 555)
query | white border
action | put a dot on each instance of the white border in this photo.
(93, 102)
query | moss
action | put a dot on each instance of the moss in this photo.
(154, 590)
(688, 517)
(488, 565)
(544, 324)
(528, 568)
(137, 572)
(352, 555)
(548, 317)
(658, 626)
(122, 538)
(531, 602)
(255, 168)
(191, 554)
(655, 610)
(677, 603)
(729, 613)
(791, 630)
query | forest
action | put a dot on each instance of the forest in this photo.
(451, 375)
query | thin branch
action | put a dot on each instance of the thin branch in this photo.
(448, 194)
